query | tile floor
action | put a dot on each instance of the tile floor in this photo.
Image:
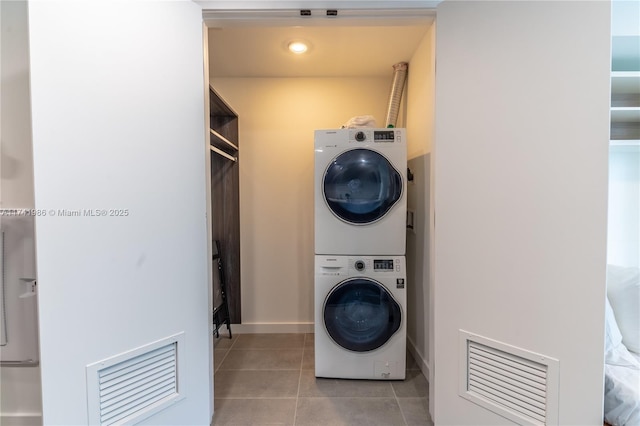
(268, 379)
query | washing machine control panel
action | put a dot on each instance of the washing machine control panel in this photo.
(377, 135)
(381, 264)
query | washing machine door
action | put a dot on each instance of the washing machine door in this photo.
(360, 186)
(361, 315)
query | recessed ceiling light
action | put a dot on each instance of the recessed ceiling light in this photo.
(298, 47)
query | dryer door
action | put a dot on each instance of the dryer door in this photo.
(360, 186)
(361, 315)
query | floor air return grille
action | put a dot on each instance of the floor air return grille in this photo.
(517, 384)
(127, 388)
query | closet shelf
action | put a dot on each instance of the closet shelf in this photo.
(627, 82)
(624, 131)
(625, 108)
(217, 137)
(625, 114)
(625, 142)
(224, 154)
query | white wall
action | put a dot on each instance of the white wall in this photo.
(623, 238)
(277, 119)
(16, 167)
(19, 386)
(522, 129)
(118, 123)
(420, 96)
(419, 122)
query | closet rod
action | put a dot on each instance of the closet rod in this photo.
(224, 154)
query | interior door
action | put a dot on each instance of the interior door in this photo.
(118, 119)
(520, 196)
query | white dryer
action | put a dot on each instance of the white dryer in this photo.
(360, 194)
(360, 323)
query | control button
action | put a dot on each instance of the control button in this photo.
(360, 136)
(359, 265)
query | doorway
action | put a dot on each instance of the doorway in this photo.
(280, 99)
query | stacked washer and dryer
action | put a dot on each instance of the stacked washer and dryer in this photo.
(360, 275)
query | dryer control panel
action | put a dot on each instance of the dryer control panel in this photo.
(375, 135)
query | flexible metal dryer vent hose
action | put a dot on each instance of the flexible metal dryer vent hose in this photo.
(397, 87)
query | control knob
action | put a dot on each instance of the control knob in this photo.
(359, 265)
(360, 136)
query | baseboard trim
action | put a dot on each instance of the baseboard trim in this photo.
(20, 419)
(419, 358)
(270, 328)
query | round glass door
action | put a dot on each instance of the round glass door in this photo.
(361, 315)
(360, 186)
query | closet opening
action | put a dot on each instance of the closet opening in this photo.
(280, 99)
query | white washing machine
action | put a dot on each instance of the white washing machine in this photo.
(360, 193)
(360, 323)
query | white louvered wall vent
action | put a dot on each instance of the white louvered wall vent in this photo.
(514, 383)
(127, 388)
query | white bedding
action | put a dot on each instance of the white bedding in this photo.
(622, 377)
(622, 389)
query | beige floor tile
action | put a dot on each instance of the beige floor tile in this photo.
(310, 386)
(254, 412)
(263, 359)
(256, 383)
(348, 411)
(309, 340)
(415, 411)
(223, 342)
(308, 359)
(269, 341)
(269, 379)
(218, 357)
(414, 385)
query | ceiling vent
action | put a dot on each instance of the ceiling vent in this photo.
(514, 383)
(132, 386)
